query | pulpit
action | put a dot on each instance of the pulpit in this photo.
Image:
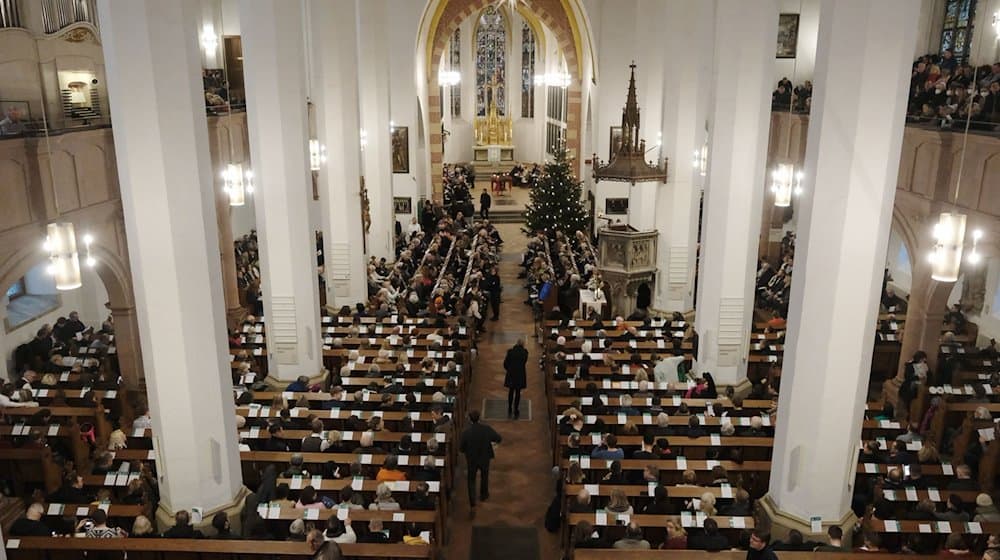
(627, 262)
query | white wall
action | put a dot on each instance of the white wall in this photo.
(898, 261)
(403, 94)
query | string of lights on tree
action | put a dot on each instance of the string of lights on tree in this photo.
(556, 199)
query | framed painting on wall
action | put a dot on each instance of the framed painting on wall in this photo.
(616, 141)
(400, 149)
(616, 206)
(788, 35)
(402, 205)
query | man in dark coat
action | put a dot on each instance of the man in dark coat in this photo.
(477, 446)
(515, 364)
(485, 201)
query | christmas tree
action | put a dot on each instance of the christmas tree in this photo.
(556, 202)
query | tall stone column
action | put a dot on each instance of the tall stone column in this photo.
(274, 63)
(686, 102)
(128, 346)
(845, 213)
(735, 187)
(334, 55)
(227, 258)
(161, 145)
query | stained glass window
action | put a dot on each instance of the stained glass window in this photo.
(528, 45)
(455, 61)
(491, 61)
(956, 32)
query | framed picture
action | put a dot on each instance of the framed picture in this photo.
(401, 149)
(402, 205)
(788, 35)
(616, 206)
(616, 141)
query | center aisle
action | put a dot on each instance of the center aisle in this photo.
(521, 484)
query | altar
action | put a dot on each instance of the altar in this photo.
(493, 150)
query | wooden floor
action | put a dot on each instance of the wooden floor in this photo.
(521, 483)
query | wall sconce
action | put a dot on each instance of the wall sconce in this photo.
(554, 79)
(949, 243)
(363, 134)
(700, 159)
(237, 183)
(317, 155)
(64, 260)
(448, 78)
(209, 40)
(996, 24)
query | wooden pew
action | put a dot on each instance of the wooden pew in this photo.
(30, 465)
(46, 548)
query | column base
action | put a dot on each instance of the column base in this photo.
(742, 387)
(165, 517)
(781, 523)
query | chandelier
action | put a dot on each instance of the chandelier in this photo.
(554, 79)
(785, 182)
(448, 78)
(317, 155)
(64, 260)
(237, 183)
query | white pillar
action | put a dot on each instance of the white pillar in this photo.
(735, 187)
(274, 63)
(334, 55)
(373, 76)
(686, 100)
(161, 145)
(851, 165)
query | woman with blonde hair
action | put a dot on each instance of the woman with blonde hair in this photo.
(142, 527)
(707, 505)
(676, 536)
(928, 455)
(117, 440)
(619, 503)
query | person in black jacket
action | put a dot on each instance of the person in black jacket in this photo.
(515, 363)
(477, 446)
(711, 539)
(182, 528)
(31, 524)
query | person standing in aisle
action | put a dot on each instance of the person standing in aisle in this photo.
(477, 445)
(515, 363)
(485, 201)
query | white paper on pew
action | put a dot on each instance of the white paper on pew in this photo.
(943, 527)
(933, 494)
(871, 468)
(622, 419)
(316, 481)
(366, 459)
(626, 370)
(312, 513)
(347, 436)
(109, 479)
(772, 358)
(415, 437)
(889, 495)
(660, 345)
(682, 463)
(595, 439)
(737, 523)
(677, 400)
(440, 437)
(589, 419)
(975, 528)
(651, 489)
(404, 460)
(914, 446)
(911, 494)
(105, 506)
(55, 509)
(699, 518)
(601, 519)
(592, 489)
(82, 511)
(766, 419)
(53, 429)
(64, 377)
(924, 528)
(13, 543)
(585, 462)
(711, 464)
(358, 483)
(399, 517)
(624, 518)
(434, 485)
(727, 491)
(121, 479)
(715, 440)
(587, 401)
(687, 520)
(946, 469)
(296, 483)
(647, 419)
(414, 415)
(438, 462)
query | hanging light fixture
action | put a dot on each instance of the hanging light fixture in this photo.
(64, 260)
(949, 231)
(700, 159)
(317, 155)
(237, 183)
(554, 79)
(448, 78)
(786, 181)
(209, 40)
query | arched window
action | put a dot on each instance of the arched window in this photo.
(455, 61)
(491, 61)
(528, 44)
(956, 32)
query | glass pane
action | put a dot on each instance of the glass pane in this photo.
(964, 12)
(961, 40)
(951, 14)
(491, 62)
(947, 40)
